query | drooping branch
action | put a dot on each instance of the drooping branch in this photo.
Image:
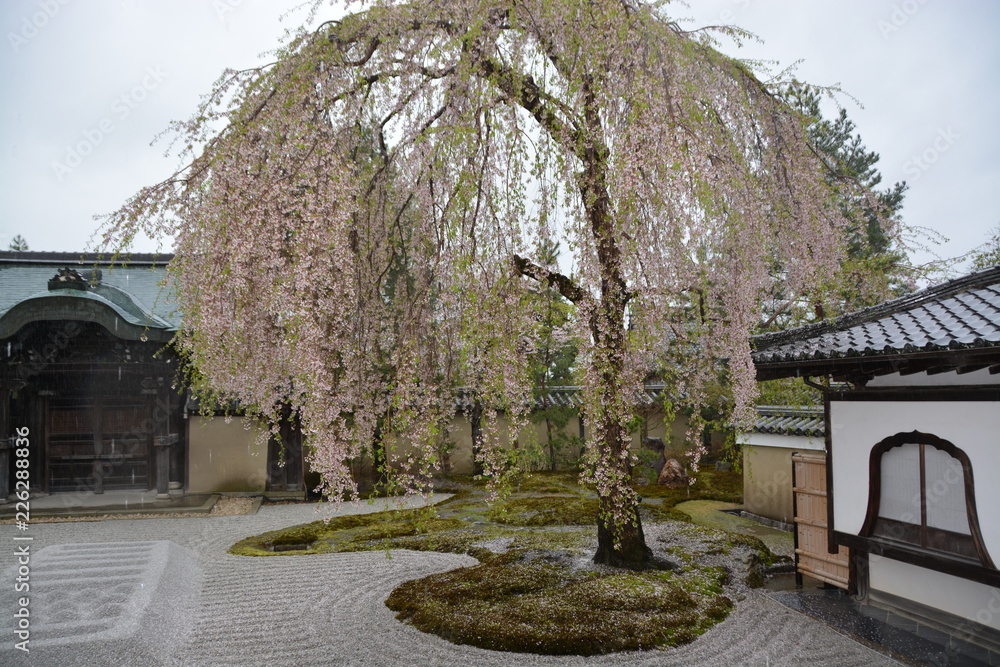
(526, 93)
(392, 283)
(565, 286)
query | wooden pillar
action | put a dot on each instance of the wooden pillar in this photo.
(161, 445)
(39, 455)
(176, 478)
(98, 468)
(162, 441)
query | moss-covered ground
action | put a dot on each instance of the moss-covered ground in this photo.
(535, 589)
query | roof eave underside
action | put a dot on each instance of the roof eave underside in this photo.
(861, 368)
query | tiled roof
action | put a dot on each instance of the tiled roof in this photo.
(131, 287)
(790, 420)
(961, 314)
(570, 396)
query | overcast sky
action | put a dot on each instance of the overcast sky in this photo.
(88, 84)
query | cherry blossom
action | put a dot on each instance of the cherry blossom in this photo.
(358, 224)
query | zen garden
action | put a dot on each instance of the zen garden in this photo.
(430, 209)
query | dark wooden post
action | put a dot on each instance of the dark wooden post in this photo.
(162, 441)
(176, 478)
(162, 446)
(39, 454)
(98, 434)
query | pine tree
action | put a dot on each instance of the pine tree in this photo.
(18, 244)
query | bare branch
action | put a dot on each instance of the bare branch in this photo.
(561, 283)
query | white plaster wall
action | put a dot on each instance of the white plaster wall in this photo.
(793, 442)
(961, 597)
(949, 379)
(972, 426)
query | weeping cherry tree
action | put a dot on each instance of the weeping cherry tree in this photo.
(368, 294)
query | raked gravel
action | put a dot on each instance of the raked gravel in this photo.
(328, 609)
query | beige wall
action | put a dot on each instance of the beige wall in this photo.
(767, 482)
(222, 457)
(767, 471)
(459, 454)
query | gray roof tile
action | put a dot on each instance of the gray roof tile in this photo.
(959, 314)
(790, 420)
(132, 288)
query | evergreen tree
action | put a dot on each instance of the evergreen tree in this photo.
(875, 266)
(553, 361)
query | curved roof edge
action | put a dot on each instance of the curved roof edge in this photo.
(121, 316)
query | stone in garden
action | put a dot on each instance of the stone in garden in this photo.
(673, 476)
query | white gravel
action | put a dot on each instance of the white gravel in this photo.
(328, 609)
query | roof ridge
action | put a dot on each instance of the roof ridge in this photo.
(944, 290)
(789, 409)
(59, 257)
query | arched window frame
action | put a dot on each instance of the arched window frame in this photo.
(875, 489)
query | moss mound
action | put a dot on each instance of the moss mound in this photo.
(535, 589)
(360, 532)
(709, 485)
(556, 609)
(545, 511)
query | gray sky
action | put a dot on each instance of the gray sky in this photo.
(88, 84)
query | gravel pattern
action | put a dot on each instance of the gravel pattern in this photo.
(328, 609)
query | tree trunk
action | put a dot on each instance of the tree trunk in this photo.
(476, 422)
(379, 462)
(631, 552)
(620, 541)
(548, 435)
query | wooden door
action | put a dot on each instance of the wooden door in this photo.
(812, 557)
(97, 446)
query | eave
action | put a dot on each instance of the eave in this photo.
(862, 368)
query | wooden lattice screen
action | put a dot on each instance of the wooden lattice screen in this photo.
(811, 554)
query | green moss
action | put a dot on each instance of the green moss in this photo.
(556, 609)
(388, 530)
(709, 485)
(545, 511)
(656, 513)
(346, 533)
(541, 595)
(551, 482)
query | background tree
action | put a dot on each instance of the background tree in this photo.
(876, 266)
(554, 358)
(18, 244)
(988, 254)
(671, 173)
